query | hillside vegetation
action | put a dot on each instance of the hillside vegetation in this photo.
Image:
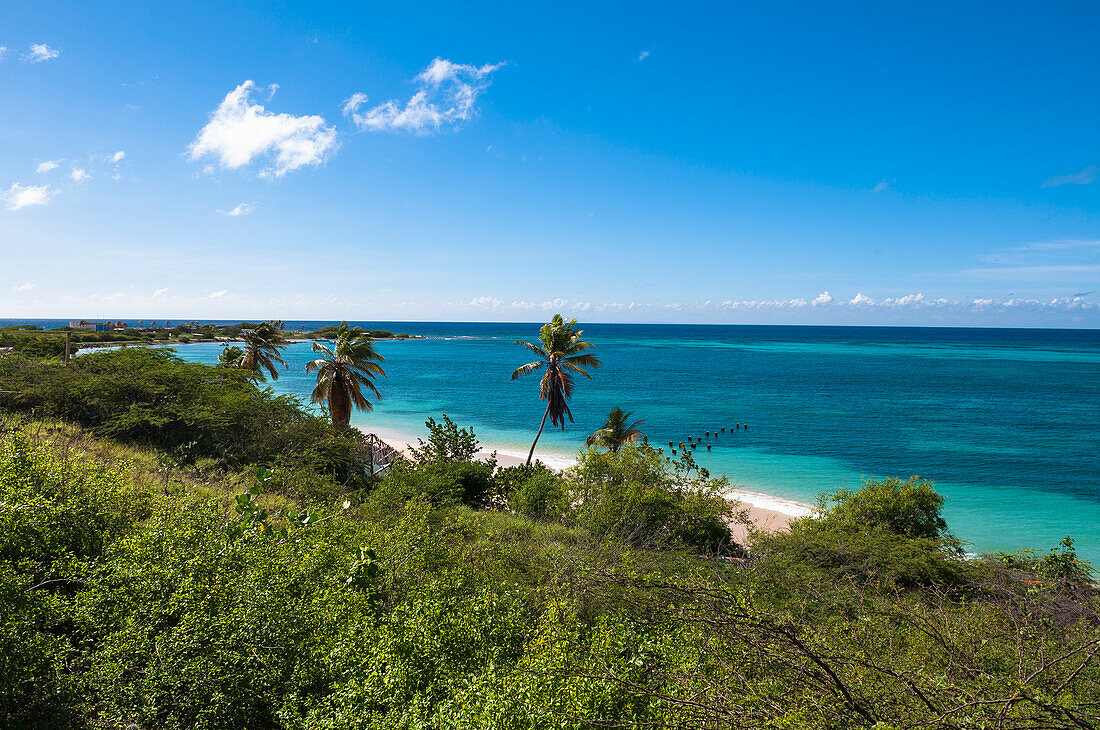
(180, 548)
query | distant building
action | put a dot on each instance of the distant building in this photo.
(84, 324)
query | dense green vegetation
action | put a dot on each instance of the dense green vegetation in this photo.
(180, 548)
(36, 342)
(191, 414)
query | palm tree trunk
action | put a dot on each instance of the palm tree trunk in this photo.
(531, 453)
(339, 405)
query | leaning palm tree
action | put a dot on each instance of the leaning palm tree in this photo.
(348, 367)
(616, 431)
(561, 355)
(262, 348)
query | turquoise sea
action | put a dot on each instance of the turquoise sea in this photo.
(1006, 422)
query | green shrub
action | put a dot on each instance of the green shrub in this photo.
(440, 483)
(890, 529)
(447, 443)
(636, 496)
(534, 491)
(905, 507)
(1060, 565)
(441, 470)
(219, 609)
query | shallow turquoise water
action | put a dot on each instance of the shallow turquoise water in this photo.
(1003, 421)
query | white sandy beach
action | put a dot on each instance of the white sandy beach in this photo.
(766, 512)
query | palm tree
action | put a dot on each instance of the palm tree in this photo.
(230, 357)
(346, 369)
(262, 348)
(561, 354)
(616, 432)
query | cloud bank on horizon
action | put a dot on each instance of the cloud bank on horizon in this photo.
(913, 308)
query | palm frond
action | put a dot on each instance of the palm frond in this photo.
(527, 369)
(533, 348)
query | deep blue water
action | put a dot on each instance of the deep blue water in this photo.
(1004, 421)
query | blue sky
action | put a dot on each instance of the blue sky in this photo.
(731, 162)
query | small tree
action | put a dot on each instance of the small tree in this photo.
(906, 507)
(446, 443)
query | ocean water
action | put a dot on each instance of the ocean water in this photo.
(1005, 422)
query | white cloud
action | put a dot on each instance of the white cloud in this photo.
(25, 286)
(1086, 176)
(22, 196)
(490, 302)
(982, 302)
(239, 210)
(219, 294)
(117, 157)
(822, 299)
(353, 102)
(796, 303)
(41, 52)
(905, 301)
(160, 293)
(880, 186)
(643, 56)
(240, 131)
(3, 52)
(47, 166)
(447, 97)
(861, 299)
(79, 174)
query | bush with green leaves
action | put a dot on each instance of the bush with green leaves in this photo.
(890, 529)
(909, 507)
(534, 491)
(1060, 566)
(447, 443)
(442, 470)
(441, 483)
(638, 496)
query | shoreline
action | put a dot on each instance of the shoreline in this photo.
(101, 345)
(766, 512)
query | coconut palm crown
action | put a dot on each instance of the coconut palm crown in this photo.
(561, 353)
(230, 356)
(347, 368)
(616, 431)
(262, 349)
